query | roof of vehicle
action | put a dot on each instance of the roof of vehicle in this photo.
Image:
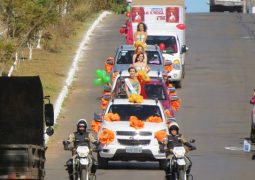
(159, 2)
(131, 47)
(124, 73)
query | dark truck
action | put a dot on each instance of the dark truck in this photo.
(23, 117)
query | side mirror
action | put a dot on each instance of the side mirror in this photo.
(107, 97)
(174, 98)
(49, 131)
(184, 49)
(172, 89)
(107, 88)
(49, 114)
(98, 117)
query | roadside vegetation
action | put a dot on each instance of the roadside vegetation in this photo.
(43, 35)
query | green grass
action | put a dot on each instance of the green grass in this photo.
(53, 68)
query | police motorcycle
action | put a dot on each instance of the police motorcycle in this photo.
(82, 165)
(178, 165)
(81, 161)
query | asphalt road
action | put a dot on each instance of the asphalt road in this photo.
(216, 91)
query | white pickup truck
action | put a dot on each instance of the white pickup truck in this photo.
(130, 143)
(226, 5)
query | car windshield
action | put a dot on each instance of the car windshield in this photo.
(125, 57)
(142, 112)
(168, 41)
(155, 91)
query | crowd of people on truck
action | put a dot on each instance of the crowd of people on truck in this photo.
(133, 85)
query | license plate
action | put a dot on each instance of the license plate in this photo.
(134, 150)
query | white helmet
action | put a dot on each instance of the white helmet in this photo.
(82, 122)
(173, 126)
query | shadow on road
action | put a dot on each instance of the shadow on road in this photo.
(133, 165)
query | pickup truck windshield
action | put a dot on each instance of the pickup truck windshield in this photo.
(142, 112)
(125, 57)
(168, 41)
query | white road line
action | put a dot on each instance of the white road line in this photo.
(234, 148)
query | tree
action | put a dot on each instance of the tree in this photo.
(23, 20)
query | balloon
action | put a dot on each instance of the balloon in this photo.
(181, 26)
(128, 23)
(103, 73)
(122, 30)
(106, 79)
(128, 8)
(99, 73)
(128, 14)
(98, 82)
(162, 46)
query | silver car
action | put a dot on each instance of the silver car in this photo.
(124, 54)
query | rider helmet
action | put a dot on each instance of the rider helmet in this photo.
(82, 123)
(173, 126)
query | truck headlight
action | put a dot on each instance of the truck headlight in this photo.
(176, 64)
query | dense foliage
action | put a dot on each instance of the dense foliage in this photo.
(23, 22)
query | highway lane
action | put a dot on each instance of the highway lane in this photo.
(216, 91)
(217, 88)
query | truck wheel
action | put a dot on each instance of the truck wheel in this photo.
(102, 162)
(212, 9)
(183, 71)
(178, 84)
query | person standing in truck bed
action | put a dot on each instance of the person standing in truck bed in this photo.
(141, 33)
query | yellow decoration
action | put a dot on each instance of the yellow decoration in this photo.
(140, 43)
(143, 77)
(135, 98)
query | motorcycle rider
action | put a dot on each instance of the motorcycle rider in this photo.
(81, 136)
(176, 139)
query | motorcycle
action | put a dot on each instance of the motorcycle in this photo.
(81, 162)
(179, 164)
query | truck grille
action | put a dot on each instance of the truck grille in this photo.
(133, 133)
(127, 142)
